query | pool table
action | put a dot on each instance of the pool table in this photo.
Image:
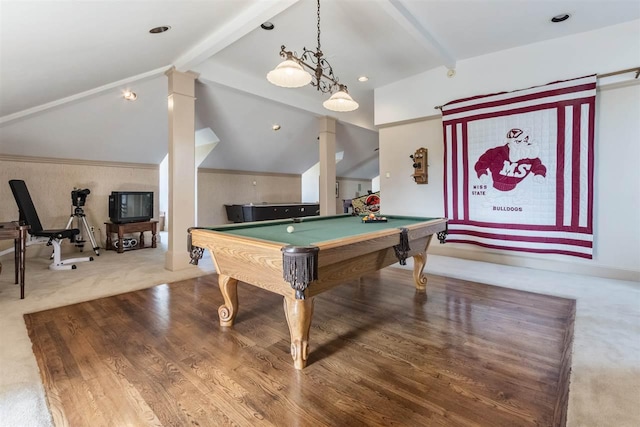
(317, 255)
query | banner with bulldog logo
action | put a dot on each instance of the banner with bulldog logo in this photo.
(519, 169)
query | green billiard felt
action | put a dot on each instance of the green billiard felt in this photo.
(311, 230)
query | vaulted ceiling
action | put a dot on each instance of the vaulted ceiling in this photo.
(65, 64)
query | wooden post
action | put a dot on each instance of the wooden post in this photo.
(182, 170)
(327, 137)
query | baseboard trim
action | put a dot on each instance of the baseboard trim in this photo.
(540, 264)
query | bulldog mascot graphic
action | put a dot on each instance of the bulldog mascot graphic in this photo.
(508, 165)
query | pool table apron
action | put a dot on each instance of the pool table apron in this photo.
(260, 263)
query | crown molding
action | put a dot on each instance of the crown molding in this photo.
(58, 102)
(76, 162)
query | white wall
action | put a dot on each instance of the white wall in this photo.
(399, 194)
(311, 185)
(610, 49)
(350, 188)
(163, 197)
(218, 187)
(617, 176)
(375, 184)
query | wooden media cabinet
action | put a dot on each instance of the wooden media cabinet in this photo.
(130, 228)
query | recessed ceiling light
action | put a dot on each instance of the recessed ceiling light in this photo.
(275, 127)
(130, 96)
(363, 78)
(560, 18)
(267, 26)
(158, 30)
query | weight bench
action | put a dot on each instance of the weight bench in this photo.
(29, 216)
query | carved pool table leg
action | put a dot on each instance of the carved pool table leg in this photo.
(419, 261)
(299, 313)
(227, 311)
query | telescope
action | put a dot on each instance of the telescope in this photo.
(79, 196)
(78, 199)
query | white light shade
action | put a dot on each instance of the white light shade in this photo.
(289, 74)
(341, 102)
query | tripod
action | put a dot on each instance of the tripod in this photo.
(78, 214)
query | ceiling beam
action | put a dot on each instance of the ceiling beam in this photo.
(245, 22)
(232, 31)
(402, 15)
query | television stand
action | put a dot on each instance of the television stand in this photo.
(128, 228)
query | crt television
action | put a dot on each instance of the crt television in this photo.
(130, 206)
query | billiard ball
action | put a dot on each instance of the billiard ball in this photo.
(290, 229)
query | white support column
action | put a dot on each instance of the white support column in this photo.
(327, 166)
(182, 170)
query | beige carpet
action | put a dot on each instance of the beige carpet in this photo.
(605, 381)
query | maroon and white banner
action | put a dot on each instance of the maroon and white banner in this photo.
(519, 169)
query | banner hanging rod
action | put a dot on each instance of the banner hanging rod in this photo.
(615, 73)
(599, 76)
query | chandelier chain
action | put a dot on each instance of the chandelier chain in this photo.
(320, 74)
(319, 50)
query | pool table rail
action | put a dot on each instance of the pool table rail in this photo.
(334, 250)
(260, 262)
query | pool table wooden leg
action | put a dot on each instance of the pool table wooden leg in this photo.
(419, 261)
(299, 313)
(227, 311)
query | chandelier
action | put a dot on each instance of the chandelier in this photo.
(290, 73)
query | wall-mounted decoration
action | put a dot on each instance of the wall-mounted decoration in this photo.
(519, 169)
(420, 164)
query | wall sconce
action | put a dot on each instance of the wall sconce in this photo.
(420, 160)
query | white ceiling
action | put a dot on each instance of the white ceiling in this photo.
(64, 65)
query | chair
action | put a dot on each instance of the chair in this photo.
(29, 216)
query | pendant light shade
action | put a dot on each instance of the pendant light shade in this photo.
(340, 101)
(289, 74)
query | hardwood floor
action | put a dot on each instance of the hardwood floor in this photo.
(381, 354)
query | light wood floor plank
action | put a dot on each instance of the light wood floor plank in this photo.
(381, 354)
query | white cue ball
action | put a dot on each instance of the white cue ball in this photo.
(290, 229)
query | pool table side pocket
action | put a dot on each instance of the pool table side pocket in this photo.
(333, 274)
(353, 247)
(426, 229)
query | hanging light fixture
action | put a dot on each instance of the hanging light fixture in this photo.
(291, 73)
